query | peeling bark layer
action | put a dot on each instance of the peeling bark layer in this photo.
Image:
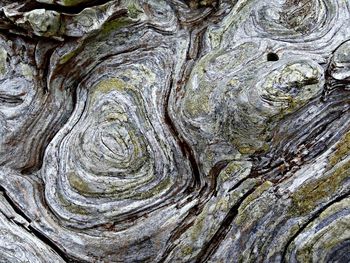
(174, 131)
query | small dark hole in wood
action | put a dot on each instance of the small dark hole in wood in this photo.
(272, 57)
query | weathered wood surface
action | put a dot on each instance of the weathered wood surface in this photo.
(174, 131)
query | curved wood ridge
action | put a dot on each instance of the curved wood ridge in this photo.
(174, 131)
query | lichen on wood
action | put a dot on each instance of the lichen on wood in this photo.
(174, 131)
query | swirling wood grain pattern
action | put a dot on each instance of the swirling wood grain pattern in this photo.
(174, 131)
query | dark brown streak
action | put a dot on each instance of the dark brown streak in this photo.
(184, 146)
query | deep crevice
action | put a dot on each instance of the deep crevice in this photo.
(74, 9)
(13, 205)
(184, 145)
(35, 232)
(214, 173)
(210, 247)
(316, 215)
(53, 246)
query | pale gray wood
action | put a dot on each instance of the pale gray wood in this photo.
(174, 131)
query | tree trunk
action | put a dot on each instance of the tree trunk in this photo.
(174, 131)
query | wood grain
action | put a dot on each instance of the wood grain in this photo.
(174, 131)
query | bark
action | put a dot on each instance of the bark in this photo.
(174, 131)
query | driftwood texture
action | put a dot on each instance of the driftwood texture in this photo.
(174, 131)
